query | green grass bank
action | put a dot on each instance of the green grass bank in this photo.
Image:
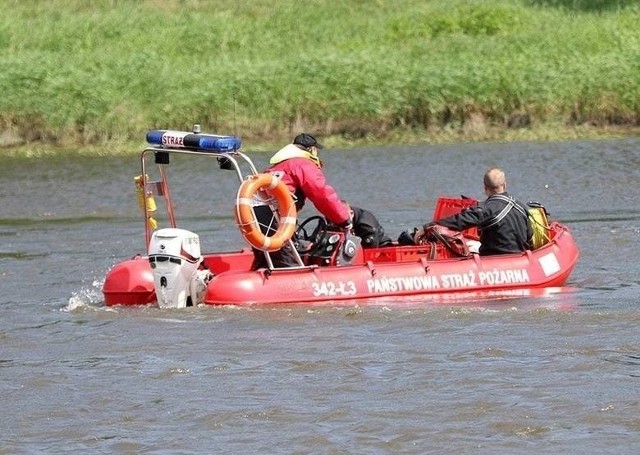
(78, 74)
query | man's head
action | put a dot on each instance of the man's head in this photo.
(307, 142)
(494, 181)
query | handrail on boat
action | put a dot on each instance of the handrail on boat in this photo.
(164, 143)
(234, 160)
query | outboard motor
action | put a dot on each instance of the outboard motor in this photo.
(174, 256)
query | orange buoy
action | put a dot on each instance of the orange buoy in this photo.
(246, 217)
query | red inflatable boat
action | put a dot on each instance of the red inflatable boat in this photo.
(333, 266)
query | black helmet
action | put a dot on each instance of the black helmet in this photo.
(307, 141)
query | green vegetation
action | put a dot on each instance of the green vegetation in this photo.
(79, 73)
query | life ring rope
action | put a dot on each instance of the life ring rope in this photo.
(246, 219)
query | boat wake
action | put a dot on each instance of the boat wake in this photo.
(86, 299)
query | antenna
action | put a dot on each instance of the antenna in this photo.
(235, 124)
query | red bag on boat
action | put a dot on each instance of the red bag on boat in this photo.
(453, 240)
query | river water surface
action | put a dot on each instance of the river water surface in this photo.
(550, 374)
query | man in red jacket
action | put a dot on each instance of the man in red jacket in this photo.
(298, 166)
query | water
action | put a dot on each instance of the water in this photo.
(529, 375)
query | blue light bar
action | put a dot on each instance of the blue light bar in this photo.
(183, 139)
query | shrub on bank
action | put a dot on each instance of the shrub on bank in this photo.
(89, 72)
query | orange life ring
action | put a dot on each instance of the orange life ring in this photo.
(246, 217)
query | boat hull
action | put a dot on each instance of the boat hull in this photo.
(233, 283)
(549, 266)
